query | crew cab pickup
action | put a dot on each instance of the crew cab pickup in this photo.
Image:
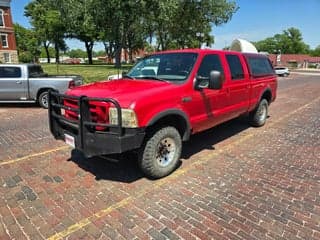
(164, 99)
(28, 83)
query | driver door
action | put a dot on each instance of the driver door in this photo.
(209, 105)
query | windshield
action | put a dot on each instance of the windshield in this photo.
(172, 67)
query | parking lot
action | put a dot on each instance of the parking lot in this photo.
(234, 181)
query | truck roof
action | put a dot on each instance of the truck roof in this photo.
(205, 51)
(19, 64)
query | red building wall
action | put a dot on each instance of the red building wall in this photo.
(7, 29)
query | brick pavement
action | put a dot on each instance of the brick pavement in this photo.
(235, 182)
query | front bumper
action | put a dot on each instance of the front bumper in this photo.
(114, 139)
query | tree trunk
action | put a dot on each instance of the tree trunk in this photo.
(57, 55)
(130, 55)
(89, 47)
(46, 47)
(118, 55)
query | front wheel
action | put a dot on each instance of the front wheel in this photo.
(258, 117)
(161, 153)
(43, 99)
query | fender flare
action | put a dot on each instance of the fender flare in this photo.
(178, 112)
(268, 89)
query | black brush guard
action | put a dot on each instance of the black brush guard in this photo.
(114, 139)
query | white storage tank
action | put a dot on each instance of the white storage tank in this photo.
(241, 45)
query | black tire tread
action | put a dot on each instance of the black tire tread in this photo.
(146, 161)
(253, 118)
(40, 97)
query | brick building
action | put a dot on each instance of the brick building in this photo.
(8, 48)
(295, 60)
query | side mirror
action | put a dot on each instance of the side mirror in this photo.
(215, 81)
(124, 73)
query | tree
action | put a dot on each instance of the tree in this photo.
(181, 24)
(28, 44)
(47, 52)
(77, 53)
(289, 42)
(79, 19)
(47, 22)
(294, 40)
(120, 23)
(316, 51)
(128, 24)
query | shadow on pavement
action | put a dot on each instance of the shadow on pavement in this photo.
(208, 138)
(19, 105)
(125, 168)
(116, 168)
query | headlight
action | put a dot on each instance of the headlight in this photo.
(129, 118)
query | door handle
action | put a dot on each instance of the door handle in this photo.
(18, 82)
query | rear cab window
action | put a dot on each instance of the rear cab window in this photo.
(10, 72)
(235, 67)
(36, 71)
(259, 66)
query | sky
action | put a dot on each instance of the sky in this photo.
(255, 20)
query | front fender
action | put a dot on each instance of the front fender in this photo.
(158, 115)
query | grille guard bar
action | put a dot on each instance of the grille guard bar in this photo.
(84, 123)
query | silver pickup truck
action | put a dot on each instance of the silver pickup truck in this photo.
(28, 83)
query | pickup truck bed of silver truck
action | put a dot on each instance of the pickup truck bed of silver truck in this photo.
(28, 83)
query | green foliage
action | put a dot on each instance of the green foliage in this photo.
(128, 24)
(76, 53)
(28, 44)
(26, 57)
(186, 24)
(316, 52)
(289, 42)
(100, 53)
(43, 53)
(47, 21)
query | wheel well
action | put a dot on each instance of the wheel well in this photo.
(41, 91)
(267, 95)
(173, 120)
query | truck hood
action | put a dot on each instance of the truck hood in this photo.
(125, 92)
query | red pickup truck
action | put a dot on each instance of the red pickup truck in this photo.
(164, 99)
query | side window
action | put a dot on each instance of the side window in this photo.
(260, 66)
(208, 64)
(10, 72)
(235, 67)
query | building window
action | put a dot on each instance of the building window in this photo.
(1, 18)
(4, 40)
(7, 57)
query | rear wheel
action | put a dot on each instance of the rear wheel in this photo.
(258, 117)
(161, 153)
(43, 99)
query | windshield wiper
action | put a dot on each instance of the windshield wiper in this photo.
(154, 78)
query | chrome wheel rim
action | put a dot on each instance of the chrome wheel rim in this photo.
(262, 113)
(166, 150)
(44, 100)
